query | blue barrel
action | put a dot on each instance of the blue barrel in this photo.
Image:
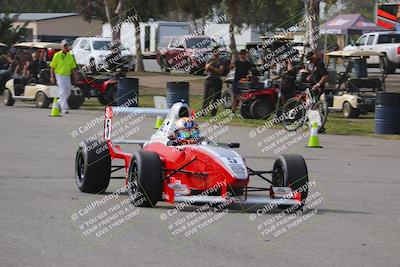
(128, 92)
(176, 91)
(387, 113)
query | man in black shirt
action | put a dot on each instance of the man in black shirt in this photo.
(213, 84)
(318, 76)
(319, 73)
(242, 69)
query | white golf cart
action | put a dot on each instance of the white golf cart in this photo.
(40, 91)
(352, 90)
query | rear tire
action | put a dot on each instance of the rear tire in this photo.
(42, 101)
(349, 111)
(291, 170)
(92, 167)
(390, 68)
(245, 111)
(8, 99)
(75, 101)
(145, 179)
(260, 108)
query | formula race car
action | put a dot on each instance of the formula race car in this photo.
(199, 171)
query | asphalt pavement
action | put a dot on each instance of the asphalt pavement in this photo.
(352, 218)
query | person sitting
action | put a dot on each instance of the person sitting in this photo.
(33, 69)
(186, 131)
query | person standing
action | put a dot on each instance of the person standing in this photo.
(213, 83)
(242, 68)
(61, 67)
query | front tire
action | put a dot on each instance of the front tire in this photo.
(322, 107)
(75, 101)
(92, 167)
(8, 99)
(145, 179)
(42, 101)
(349, 111)
(294, 114)
(291, 171)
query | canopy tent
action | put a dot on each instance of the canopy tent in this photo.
(345, 25)
(349, 24)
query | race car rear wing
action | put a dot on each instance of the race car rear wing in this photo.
(111, 111)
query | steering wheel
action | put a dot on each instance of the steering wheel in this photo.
(342, 76)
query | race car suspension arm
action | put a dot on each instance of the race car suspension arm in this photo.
(117, 168)
(260, 174)
(180, 169)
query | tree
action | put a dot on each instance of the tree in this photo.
(363, 7)
(142, 10)
(312, 11)
(115, 14)
(10, 34)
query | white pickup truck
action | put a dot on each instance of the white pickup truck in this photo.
(387, 43)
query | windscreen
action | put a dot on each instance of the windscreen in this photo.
(389, 39)
(201, 43)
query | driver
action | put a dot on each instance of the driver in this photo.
(186, 131)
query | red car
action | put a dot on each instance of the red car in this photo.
(201, 172)
(189, 53)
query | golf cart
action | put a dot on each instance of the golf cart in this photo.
(4, 72)
(40, 89)
(354, 90)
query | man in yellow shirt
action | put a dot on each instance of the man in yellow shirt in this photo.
(62, 66)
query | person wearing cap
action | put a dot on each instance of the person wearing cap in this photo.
(319, 73)
(242, 68)
(61, 67)
(213, 83)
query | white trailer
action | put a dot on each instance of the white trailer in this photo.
(220, 31)
(150, 34)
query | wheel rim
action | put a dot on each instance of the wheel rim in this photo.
(278, 175)
(346, 110)
(80, 165)
(40, 99)
(7, 96)
(293, 115)
(133, 180)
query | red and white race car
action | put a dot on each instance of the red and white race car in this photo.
(203, 172)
